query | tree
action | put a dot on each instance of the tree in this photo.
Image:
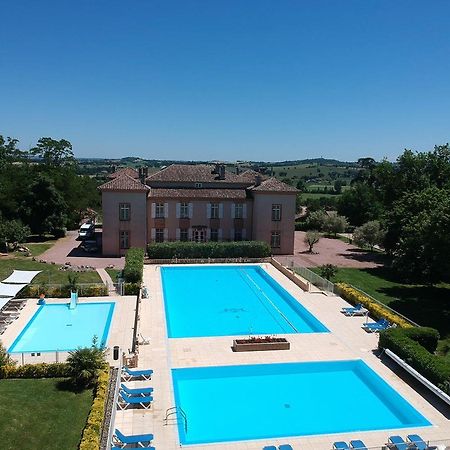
(328, 271)
(54, 153)
(45, 207)
(5, 358)
(301, 185)
(338, 186)
(86, 363)
(8, 151)
(369, 234)
(311, 239)
(316, 220)
(418, 235)
(13, 231)
(335, 224)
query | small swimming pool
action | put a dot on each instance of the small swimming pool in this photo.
(56, 327)
(234, 403)
(230, 300)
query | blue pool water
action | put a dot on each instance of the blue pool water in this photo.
(235, 403)
(230, 300)
(56, 327)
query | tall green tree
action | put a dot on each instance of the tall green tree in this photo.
(54, 153)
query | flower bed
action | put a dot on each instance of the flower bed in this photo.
(255, 344)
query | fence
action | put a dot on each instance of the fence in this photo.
(206, 260)
(315, 279)
(40, 357)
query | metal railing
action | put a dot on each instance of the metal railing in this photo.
(313, 278)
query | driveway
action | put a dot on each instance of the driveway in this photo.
(331, 251)
(67, 249)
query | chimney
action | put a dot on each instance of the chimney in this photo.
(222, 172)
(113, 168)
(258, 179)
(237, 169)
(143, 173)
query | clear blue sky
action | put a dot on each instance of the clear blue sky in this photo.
(260, 80)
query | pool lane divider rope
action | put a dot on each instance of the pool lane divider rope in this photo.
(268, 299)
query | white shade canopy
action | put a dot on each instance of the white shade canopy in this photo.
(10, 290)
(4, 301)
(21, 276)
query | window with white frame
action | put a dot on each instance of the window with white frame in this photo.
(124, 239)
(275, 239)
(214, 235)
(239, 210)
(184, 234)
(159, 210)
(184, 210)
(159, 235)
(214, 210)
(276, 212)
(124, 211)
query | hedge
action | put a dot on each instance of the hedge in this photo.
(406, 343)
(131, 288)
(90, 439)
(43, 370)
(194, 250)
(90, 290)
(376, 310)
(134, 265)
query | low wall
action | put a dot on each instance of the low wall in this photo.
(305, 285)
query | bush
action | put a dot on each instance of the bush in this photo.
(131, 288)
(5, 358)
(406, 343)
(194, 250)
(328, 271)
(53, 370)
(134, 265)
(376, 310)
(92, 430)
(90, 290)
(13, 231)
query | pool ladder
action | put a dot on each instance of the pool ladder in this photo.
(173, 414)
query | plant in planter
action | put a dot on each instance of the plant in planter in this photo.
(72, 281)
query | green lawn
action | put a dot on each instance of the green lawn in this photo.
(50, 272)
(41, 414)
(113, 273)
(307, 195)
(428, 306)
(38, 248)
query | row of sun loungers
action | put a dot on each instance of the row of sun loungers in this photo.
(413, 442)
(141, 440)
(373, 327)
(280, 447)
(9, 313)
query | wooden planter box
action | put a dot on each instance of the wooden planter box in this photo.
(248, 345)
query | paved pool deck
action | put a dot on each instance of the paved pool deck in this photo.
(346, 340)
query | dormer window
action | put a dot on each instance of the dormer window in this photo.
(198, 185)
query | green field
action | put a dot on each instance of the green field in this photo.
(425, 305)
(50, 272)
(41, 414)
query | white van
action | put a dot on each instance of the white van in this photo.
(87, 230)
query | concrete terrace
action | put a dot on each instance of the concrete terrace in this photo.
(346, 341)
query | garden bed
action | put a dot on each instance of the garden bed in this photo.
(260, 344)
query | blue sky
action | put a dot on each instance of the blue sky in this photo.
(259, 80)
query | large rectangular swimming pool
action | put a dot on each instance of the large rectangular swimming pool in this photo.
(234, 403)
(230, 300)
(56, 327)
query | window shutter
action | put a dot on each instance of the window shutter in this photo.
(177, 235)
(232, 234)
(244, 234)
(153, 210)
(166, 210)
(166, 234)
(233, 210)
(244, 211)
(178, 210)
(208, 211)
(153, 233)
(219, 234)
(208, 234)
(191, 210)
(190, 234)
(220, 210)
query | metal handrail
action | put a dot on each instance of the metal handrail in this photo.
(174, 411)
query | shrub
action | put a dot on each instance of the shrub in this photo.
(53, 370)
(376, 310)
(131, 288)
(194, 250)
(134, 265)
(406, 343)
(92, 430)
(328, 271)
(5, 358)
(86, 363)
(89, 290)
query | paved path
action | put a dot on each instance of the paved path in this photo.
(331, 251)
(67, 249)
(107, 281)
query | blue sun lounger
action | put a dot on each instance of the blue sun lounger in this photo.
(136, 391)
(284, 447)
(397, 443)
(419, 443)
(381, 325)
(125, 401)
(139, 439)
(358, 444)
(128, 374)
(357, 310)
(341, 445)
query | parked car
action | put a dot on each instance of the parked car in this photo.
(87, 230)
(90, 246)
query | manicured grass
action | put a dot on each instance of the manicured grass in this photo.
(113, 273)
(37, 249)
(41, 414)
(428, 306)
(307, 195)
(50, 272)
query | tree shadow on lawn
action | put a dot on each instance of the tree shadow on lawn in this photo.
(428, 306)
(69, 386)
(362, 255)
